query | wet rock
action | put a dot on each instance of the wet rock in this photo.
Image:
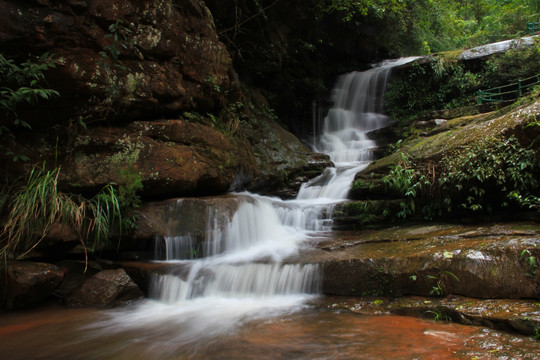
(143, 273)
(75, 274)
(107, 288)
(29, 283)
(282, 162)
(498, 47)
(522, 316)
(475, 261)
(181, 216)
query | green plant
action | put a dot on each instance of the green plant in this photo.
(129, 184)
(35, 208)
(406, 181)
(527, 257)
(438, 315)
(212, 82)
(439, 289)
(488, 174)
(21, 84)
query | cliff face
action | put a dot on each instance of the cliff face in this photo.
(146, 88)
(158, 58)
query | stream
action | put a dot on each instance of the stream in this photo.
(239, 290)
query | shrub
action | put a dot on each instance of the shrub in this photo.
(489, 174)
(19, 85)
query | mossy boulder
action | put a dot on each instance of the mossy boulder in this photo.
(481, 261)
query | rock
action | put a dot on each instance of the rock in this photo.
(29, 283)
(170, 56)
(176, 217)
(168, 108)
(520, 316)
(281, 160)
(75, 274)
(495, 48)
(143, 273)
(171, 158)
(107, 288)
(462, 131)
(434, 260)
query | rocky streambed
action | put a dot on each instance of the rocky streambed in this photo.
(478, 274)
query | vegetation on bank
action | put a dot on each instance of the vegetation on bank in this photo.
(443, 82)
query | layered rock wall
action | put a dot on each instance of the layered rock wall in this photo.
(148, 90)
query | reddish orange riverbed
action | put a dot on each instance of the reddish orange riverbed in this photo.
(312, 333)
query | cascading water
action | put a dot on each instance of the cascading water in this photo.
(234, 269)
(358, 110)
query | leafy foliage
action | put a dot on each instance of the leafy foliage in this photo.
(404, 180)
(442, 82)
(21, 84)
(481, 178)
(489, 174)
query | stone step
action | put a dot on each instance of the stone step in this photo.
(494, 260)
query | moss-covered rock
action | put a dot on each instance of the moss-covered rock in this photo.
(481, 261)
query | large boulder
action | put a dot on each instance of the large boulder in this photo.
(29, 283)
(107, 288)
(171, 157)
(483, 261)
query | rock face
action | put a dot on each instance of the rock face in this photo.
(158, 59)
(29, 283)
(105, 289)
(147, 91)
(490, 261)
(460, 132)
(169, 156)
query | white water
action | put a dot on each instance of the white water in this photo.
(236, 272)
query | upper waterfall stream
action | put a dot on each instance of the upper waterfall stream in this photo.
(235, 269)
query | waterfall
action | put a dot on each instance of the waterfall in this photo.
(358, 109)
(236, 268)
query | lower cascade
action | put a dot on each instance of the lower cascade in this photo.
(244, 263)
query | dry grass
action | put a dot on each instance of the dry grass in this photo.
(35, 208)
